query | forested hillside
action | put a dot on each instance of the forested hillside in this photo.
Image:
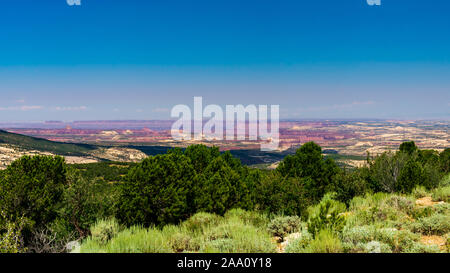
(39, 144)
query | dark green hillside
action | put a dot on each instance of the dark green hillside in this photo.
(247, 157)
(43, 145)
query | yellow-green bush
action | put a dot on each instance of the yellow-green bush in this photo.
(326, 241)
(441, 194)
(104, 230)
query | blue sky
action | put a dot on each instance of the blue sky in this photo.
(111, 59)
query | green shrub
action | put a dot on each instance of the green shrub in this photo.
(326, 219)
(312, 168)
(254, 218)
(200, 221)
(444, 159)
(222, 245)
(368, 201)
(85, 201)
(11, 240)
(385, 210)
(377, 247)
(235, 236)
(437, 224)
(354, 235)
(401, 203)
(32, 187)
(284, 225)
(404, 240)
(421, 212)
(157, 191)
(385, 170)
(419, 192)
(277, 194)
(421, 248)
(139, 240)
(182, 242)
(298, 245)
(326, 241)
(411, 175)
(337, 206)
(445, 181)
(398, 240)
(104, 230)
(441, 194)
(131, 240)
(349, 184)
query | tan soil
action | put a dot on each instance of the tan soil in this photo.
(427, 202)
(434, 240)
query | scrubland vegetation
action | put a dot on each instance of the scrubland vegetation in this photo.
(201, 200)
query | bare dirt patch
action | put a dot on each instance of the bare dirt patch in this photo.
(433, 240)
(427, 202)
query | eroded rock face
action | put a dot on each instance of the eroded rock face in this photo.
(120, 154)
(10, 153)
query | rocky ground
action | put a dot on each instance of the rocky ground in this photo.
(9, 153)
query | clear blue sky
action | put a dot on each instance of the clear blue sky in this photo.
(135, 59)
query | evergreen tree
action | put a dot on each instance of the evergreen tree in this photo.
(157, 191)
(309, 163)
(32, 187)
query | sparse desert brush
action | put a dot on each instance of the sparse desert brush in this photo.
(402, 240)
(139, 240)
(236, 236)
(386, 210)
(418, 247)
(377, 247)
(402, 203)
(436, 224)
(218, 246)
(252, 240)
(442, 208)
(132, 240)
(179, 238)
(398, 240)
(365, 216)
(299, 244)
(357, 234)
(420, 212)
(281, 226)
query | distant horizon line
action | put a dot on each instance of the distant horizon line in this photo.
(174, 119)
